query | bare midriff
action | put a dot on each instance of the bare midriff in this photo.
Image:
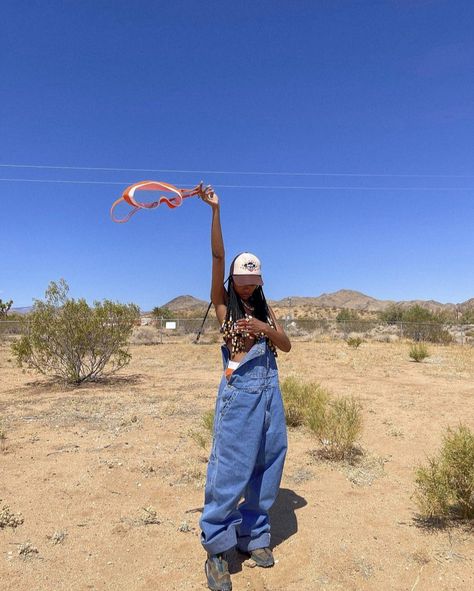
(248, 344)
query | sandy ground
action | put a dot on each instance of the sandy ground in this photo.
(90, 467)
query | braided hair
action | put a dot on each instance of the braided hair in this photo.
(236, 311)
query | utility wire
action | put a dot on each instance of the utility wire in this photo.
(272, 187)
(238, 172)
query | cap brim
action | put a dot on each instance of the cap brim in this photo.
(248, 279)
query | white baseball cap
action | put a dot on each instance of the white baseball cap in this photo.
(246, 269)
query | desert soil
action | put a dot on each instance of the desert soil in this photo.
(109, 478)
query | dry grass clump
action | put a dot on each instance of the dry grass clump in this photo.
(149, 516)
(418, 352)
(27, 551)
(9, 519)
(336, 422)
(445, 486)
(145, 335)
(58, 537)
(354, 342)
(204, 435)
(301, 398)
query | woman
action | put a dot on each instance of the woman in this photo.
(249, 443)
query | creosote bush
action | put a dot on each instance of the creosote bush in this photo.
(418, 352)
(336, 422)
(445, 486)
(70, 340)
(299, 398)
(419, 323)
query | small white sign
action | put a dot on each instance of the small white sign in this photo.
(170, 325)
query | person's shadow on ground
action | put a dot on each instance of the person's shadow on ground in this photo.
(283, 524)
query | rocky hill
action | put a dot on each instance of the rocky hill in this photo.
(327, 305)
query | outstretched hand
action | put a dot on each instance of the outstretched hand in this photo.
(210, 197)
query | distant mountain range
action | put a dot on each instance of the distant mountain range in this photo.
(24, 310)
(344, 298)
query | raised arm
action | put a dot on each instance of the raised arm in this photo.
(218, 293)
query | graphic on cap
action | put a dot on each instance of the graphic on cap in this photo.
(246, 269)
(250, 266)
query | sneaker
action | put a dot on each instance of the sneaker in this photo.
(262, 557)
(217, 573)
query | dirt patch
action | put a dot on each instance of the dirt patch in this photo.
(108, 478)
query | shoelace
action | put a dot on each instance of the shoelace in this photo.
(172, 202)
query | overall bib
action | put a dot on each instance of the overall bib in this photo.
(247, 455)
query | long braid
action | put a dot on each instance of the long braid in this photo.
(236, 311)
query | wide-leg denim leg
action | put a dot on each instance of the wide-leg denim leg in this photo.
(262, 489)
(247, 456)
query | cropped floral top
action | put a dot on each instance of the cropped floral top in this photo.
(237, 337)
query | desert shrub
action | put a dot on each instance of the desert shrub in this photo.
(468, 316)
(347, 315)
(350, 321)
(445, 486)
(4, 308)
(337, 424)
(207, 420)
(420, 324)
(204, 435)
(418, 352)
(301, 398)
(162, 312)
(72, 341)
(354, 342)
(392, 314)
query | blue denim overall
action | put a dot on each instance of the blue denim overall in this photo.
(247, 456)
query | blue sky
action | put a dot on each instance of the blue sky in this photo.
(345, 90)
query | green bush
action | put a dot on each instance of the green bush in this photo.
(162, 312)
(337, 424)
(354, 342)
(392, 314)
(70, 340)
(468, 316)
(350, 321)
(420, 324)
(445, 486)
(418, 352)
(299, 398)
(4, 308)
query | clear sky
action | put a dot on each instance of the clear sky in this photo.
(346, 90)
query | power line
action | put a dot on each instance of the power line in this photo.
(238, 172)
(272, 187)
